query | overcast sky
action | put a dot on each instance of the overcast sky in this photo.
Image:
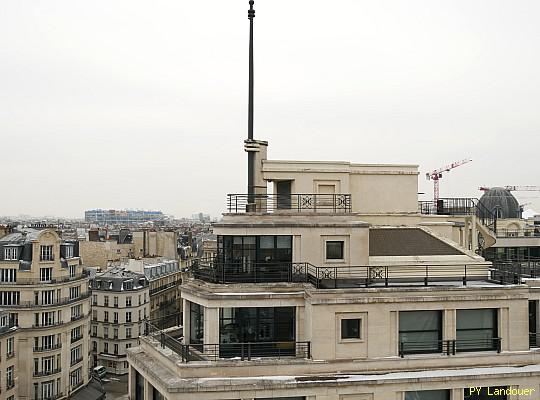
(142, 104)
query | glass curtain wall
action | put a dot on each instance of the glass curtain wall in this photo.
(270, 330)
(254, 258)
(476, 330)
(196, 323)
(420, 332)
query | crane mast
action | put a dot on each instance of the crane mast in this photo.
(437, 174)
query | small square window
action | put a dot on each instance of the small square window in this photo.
(350, 328)
(334, 250)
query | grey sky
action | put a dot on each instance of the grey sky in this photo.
(139, 104)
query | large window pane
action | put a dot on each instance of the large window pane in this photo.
(196, 322)
(428, 395)
(476, 330)
(420, 331)
(257, 325)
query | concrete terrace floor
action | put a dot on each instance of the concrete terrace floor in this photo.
(116, 386)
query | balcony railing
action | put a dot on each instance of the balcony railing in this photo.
(76, 361)
(449, 347)
(54, 303)
(48, 348)
(298, 202)
(513, 272)
(38, 281)
(164, 287)
(512, 233)
(460, 206)
(534, 340)
(47, 372)
(217, 351)
(76, 338)
(52, 397)
(331, 277)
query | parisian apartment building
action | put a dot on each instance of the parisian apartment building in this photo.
(332, 281)
(45, 317)
(120, 303)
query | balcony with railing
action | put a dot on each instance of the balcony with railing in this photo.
(333, 277)
(51, 347)
(47, 372)
(460, 206)
(298, 202)
(226, 351)
(449, 347)
(22, 280)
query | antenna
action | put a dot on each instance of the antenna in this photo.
(251, 155)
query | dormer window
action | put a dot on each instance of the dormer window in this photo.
(11, 253)
(68, 251)
(46, 253)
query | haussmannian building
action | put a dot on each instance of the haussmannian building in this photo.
(338, 284)
(45, 293)
(120, 303)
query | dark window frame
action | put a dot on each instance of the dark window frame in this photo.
(346, 334)
(340, 255)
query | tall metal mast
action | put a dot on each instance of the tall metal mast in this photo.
(251, 156)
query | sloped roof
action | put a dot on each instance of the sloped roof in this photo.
(407, 242)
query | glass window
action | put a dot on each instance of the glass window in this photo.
(274, 325)
(350, 328)
(428, 395)
(334, 250)
(196, 323)
(420, 332)
(476, 330)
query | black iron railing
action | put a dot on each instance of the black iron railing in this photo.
(217, 351)
(37, 281)
(331, 277)
(298, 202)
(47, 372)
(534, 340)
(511, 233)
(248, 351)
(513, 272)
(449, 347)
(48, 348)
(216, 272)
(460, 206)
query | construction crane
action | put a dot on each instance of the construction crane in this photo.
(436, 175)
(515, 188)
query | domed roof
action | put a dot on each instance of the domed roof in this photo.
(501, 203)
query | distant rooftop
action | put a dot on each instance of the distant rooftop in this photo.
(118, 279)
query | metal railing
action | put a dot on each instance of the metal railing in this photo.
(534, 340)
(460, 206)
(76, 338)
(216, 272)
(449, 347)
(513, 272)
(165, 287)
(47, 372)
(511, 233)
(48, 348)
(297, 202)
(55, 303)
(217, 351)
(38, 281)
(332, 277)
(76, 361)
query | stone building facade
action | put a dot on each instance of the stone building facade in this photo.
(45, 292)
(120, 303)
